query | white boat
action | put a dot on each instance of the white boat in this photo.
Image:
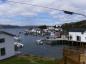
(18, 42)
(19, 45)
(17, 38)
(39, 41)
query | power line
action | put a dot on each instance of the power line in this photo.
(67, 12)
(35, 5)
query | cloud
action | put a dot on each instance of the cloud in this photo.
(16, 8)
(10, 9)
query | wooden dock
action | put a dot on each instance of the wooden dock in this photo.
(63, 41)
(74, 56)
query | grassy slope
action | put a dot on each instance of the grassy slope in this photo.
(29, 60)
(80, 24)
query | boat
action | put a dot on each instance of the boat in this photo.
(18, 42)
(39, 41)
(19, 45)
(26, 32)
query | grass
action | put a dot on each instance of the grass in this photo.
(29, 59)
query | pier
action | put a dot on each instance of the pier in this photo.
(61, 41)
(74, 55)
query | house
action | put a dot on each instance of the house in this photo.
(78, 35)
(50, 28)
(36, 30)
(7, 47)
(33, 30)
(76, 54)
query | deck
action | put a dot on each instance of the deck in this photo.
(74, 56)
(64, 41)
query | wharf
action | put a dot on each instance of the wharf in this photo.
(64, 41)
(74, 55)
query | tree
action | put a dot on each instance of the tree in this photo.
(42, 27)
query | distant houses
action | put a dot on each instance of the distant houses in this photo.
(52, 31)
(78, 35)
(7, 47)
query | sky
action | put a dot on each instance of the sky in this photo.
(25, 14)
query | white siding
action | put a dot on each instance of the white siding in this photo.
(8, 45)
(75, 34)
(83, 37)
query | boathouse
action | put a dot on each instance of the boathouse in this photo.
(78, 35)
(76, 54)
(7, 48)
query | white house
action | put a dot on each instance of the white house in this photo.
(78, 35)
(7, 48)
(50, 28)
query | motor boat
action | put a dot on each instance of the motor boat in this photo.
(18, 42)
(39, 41)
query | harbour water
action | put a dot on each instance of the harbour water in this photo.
(31, 47)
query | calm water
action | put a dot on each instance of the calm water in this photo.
(30, 46)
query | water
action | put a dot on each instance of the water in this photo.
(30, 46)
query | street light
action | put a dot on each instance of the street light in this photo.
(68, 12)
(71, 13)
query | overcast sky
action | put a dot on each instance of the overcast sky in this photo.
(23, 14)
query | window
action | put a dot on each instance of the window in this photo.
(2, 40)
(2, 51)
(78, 38)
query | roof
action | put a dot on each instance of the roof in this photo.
(77, 30)
(3, 32)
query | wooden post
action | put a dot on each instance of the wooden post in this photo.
(80, 45)
(72, 44)
(65, 60)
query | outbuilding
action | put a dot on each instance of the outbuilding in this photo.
(78, 35)
(7, 47)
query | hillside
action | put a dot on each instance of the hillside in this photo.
(15, 26)
(9, 26)
(80, 24)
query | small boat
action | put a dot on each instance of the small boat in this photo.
(26, 32)
(39, 42)
(18, 42)
(19, 45)
(17, 38)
